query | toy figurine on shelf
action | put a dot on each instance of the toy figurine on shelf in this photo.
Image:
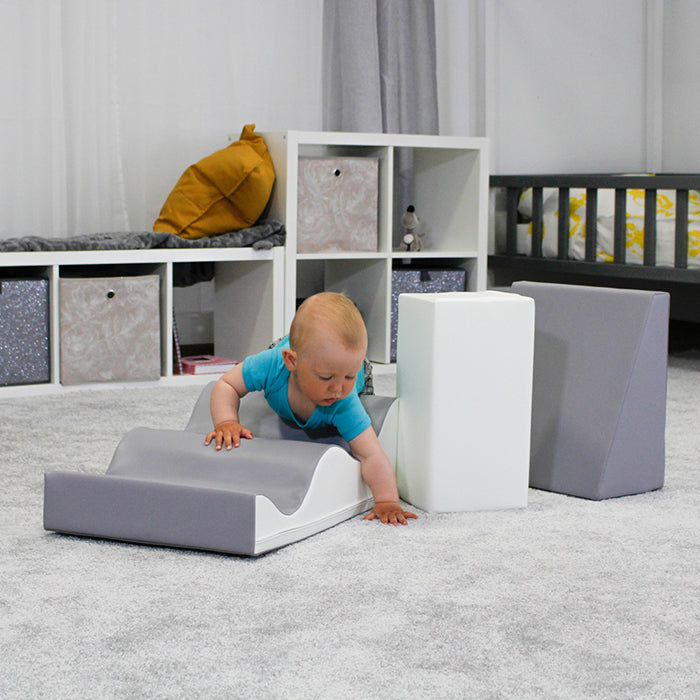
(411, 240)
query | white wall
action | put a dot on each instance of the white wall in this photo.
(681, 86)
(564, 85)
(238, 63)
(459, 48)
(568, 92)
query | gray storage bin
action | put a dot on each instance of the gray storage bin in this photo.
(110, 329)
(415, 280)
(24, 332)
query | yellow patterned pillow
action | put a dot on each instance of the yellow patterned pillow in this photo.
(225, 191)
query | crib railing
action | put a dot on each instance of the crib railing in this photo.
(681, 183)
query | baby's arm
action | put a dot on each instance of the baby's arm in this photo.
(378, 474)
(225, 401)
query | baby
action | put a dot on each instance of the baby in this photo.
(312, 378)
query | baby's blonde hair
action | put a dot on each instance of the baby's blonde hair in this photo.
(333, 311)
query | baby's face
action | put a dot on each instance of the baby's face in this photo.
(326, 369)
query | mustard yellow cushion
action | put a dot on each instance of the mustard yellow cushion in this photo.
(225, 191)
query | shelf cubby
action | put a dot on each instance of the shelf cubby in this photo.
(451, 198)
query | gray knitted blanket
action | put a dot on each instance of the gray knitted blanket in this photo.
(263, 235)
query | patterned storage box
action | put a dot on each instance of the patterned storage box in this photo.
(413, 280)
(24, 332)
(110, 329)
(337, 205)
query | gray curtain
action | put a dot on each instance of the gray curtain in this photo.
(380, 75)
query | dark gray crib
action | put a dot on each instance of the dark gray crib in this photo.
(682, 282)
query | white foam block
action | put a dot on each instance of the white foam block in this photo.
(464, 382)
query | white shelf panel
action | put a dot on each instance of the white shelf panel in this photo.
(434, 254)
(347, 255)
(21, 390)
(331, 138)
(148, 255)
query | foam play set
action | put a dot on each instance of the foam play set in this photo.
(464, 432)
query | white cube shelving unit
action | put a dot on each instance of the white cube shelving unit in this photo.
(451, 198)
(256, 291)
(249, 294)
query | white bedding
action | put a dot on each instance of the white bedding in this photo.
(665, 225)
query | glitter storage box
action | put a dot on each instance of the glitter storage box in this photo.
(24, 332)
(414, 280)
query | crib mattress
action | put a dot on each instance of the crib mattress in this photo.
(634, 225)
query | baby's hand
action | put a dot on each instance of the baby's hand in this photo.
(229, 433)
(390, 513)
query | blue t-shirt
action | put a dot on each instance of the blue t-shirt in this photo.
(266, 372)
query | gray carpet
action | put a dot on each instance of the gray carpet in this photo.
(565, 599)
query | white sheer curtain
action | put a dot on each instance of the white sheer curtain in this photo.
(104, 103)
(60, 172)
